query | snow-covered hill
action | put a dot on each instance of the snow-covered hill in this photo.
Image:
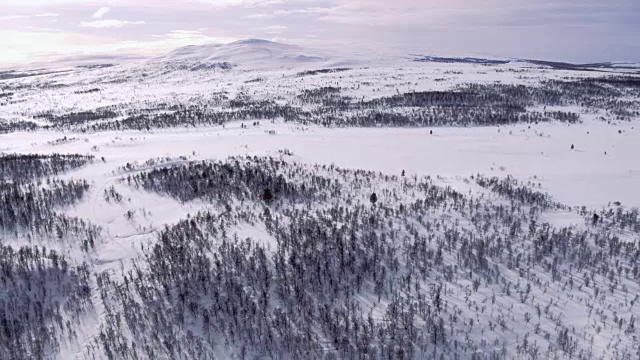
(257, 200)
(188, 245)
(247, 54)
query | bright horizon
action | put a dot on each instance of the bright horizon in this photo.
(567, 30)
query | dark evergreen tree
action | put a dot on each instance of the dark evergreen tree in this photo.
(267, 196)
(373, 198)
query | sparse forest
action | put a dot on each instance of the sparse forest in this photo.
(467, 105)
(44, 296)
(427, 272)
(331, 97)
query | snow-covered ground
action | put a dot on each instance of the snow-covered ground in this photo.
(254, 68)
(589, 168)
(602, 168)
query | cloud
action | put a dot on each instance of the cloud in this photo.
(184, 34)
(245, 3)
(18, 17)
(41, 2)
(572, 30)
(102, 24)
(259, 16)
(467, 14)
(28, 46)
(186, 31)
(304, 11)
(20, 47)
(222, 2)
(275, 29)
(13, 17)
(101, 12)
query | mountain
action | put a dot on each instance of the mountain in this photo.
(607, 65)
(466, 60)
(82, 61)
(552, 64)
(251, 53)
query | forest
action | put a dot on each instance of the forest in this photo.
(296, 261)
(418, 271)
(469, 104)
(44, 294)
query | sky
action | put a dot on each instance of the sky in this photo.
(564, 30)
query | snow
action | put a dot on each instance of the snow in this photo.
(581, 177)
(175, 79)
(249, 54)
(602, 168)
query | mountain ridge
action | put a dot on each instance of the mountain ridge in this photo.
(254, 53)
(266, 54)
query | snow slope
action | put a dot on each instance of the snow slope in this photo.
(248, 54)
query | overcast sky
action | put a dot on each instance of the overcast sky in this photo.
(570, 30)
